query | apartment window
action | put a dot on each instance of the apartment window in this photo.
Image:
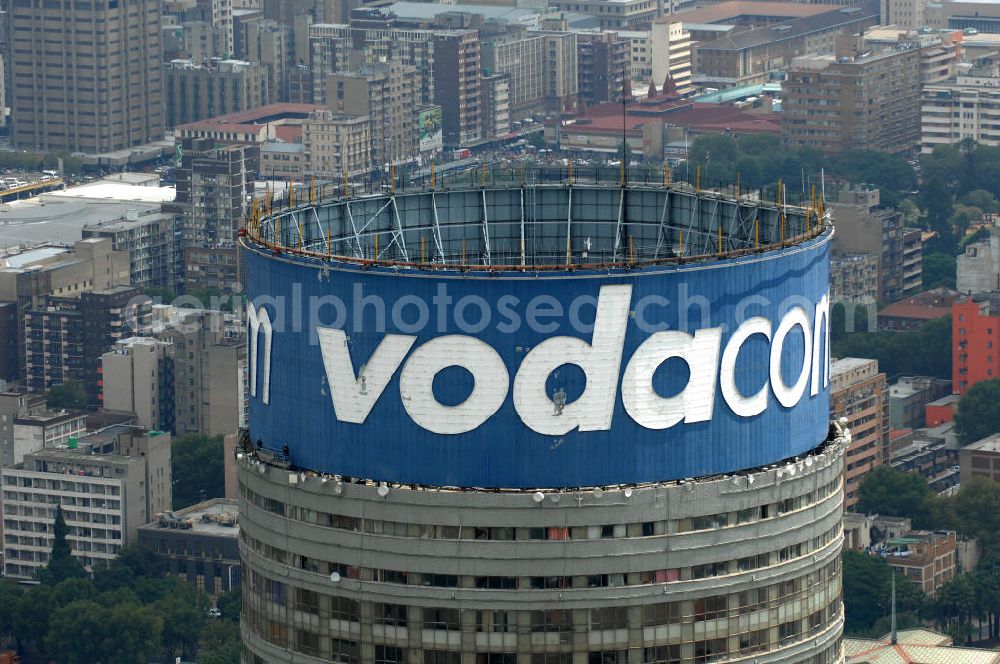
(391, 614)
(442, 619)
(389, 655)
(609, 617)
(345, 651)
(555, 620)
(662, 655)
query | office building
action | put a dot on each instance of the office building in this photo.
(107, 483)
(271, 45)
(542, 67)
(196, 92)
(615, 14)
(836, 103)
(725, 56)
(200, 544)
(860, 393)
(866, 227)
(283, 161)
(975, 325)
(211, 19)
(28, 425)
(977, 15)
(110, 99)
(386, 95)
(65, 338)
(492, 520)
(903, 13)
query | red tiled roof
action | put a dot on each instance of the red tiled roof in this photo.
(289, 133)
(249, 120)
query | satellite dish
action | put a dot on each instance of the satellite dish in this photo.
(628, 492)
(383, 490)
(538, 497)
(598, 492)
(335, 577)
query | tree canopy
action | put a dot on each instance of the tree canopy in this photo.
(892, 492)
(131, 611)
(198, 468)
(68, 396)
(978, 412)
(868, 594)
(923, 352)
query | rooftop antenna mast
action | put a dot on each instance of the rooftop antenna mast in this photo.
(893, 637)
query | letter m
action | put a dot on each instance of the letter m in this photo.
(259, 322)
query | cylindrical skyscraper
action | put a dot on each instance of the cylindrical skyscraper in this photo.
(540, 425)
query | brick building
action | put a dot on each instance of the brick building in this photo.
(860, 393)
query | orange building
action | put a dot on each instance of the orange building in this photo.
(975, 331)
(860, 393)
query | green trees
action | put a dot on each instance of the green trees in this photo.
(62, 563)
(69, 396)
(131, 611)
(939, 270)
(923, 352)
(868, 593)
(197, 466)
(892, 492)
(978, 413)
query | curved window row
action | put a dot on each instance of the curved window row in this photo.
(559, 533)
(280, 614)
(722, 568)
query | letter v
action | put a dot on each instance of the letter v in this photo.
(354, 396)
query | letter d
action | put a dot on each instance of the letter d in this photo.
(600, 361)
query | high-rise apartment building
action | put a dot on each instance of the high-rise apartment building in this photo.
(271, 45)
(496, 117)
(138, 375)
(542, 66)
(213, 183)
(108, 484)
(670, 55)
(151, 240)
(385, 93)
(65, 338)
(196, 92)
(86, 77)
(835, 104)
(860, 393)
(336, 144)
(867, 227)
(975, 325)
(967, 107)
(457, 86)
(29, 278)
(603, 60)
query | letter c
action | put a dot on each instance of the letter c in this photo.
(739, 404)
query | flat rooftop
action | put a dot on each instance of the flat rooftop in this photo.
(201, 517)
(988, 444)
(847, 364)
(731, 11)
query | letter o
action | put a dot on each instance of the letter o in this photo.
(789, 396)
(454, 350)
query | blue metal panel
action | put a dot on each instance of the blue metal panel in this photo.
(503, 451)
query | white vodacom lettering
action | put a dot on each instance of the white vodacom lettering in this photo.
(354, 392)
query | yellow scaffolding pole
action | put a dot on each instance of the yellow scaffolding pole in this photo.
(697, 181)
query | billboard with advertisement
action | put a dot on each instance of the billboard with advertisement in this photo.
(540, 379)
(431, 129)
